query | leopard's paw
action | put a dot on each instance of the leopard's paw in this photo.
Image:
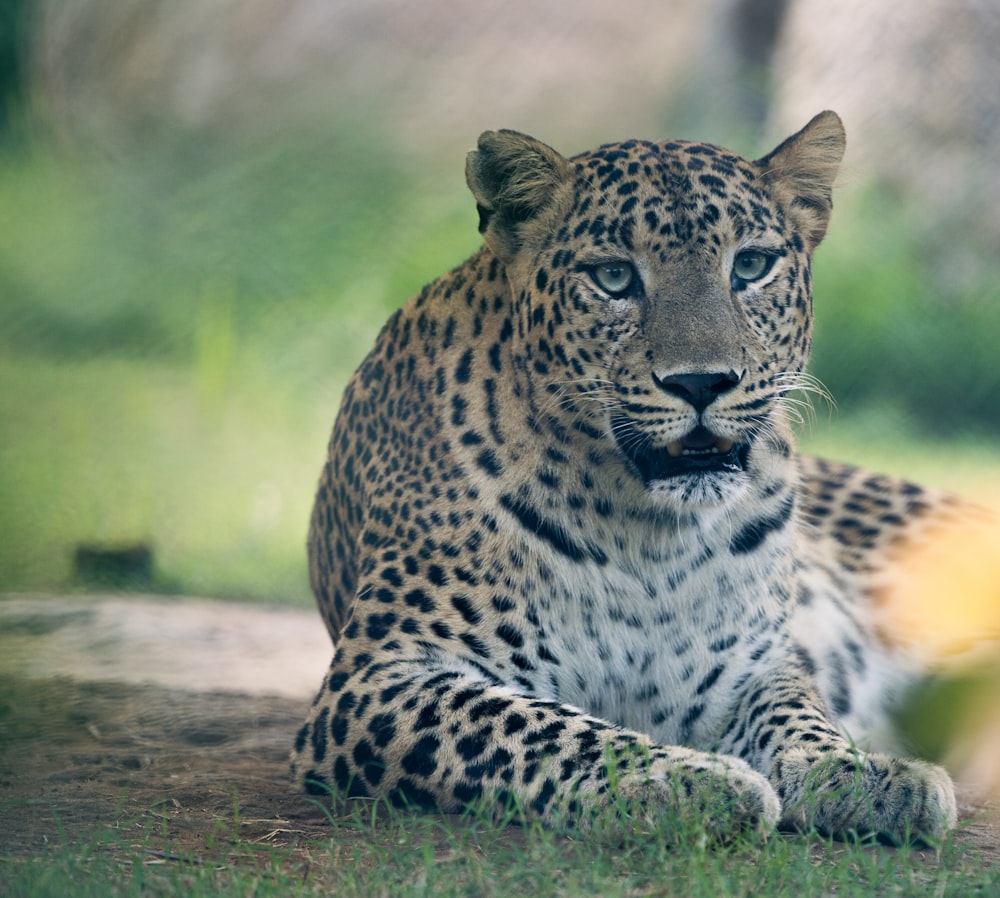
(846, 792)
(712, 795)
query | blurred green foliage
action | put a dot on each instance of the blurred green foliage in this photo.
(130, 256)
(177, 323)
(175, 332)
(907, 319)
(942, 711)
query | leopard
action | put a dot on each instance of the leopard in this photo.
(572, 565)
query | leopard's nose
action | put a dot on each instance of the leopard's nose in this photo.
(699, 389)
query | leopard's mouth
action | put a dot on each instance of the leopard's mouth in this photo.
(698, 452)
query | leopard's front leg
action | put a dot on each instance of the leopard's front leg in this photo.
(782, 729)
(441, 735)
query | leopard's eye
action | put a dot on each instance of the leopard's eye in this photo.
(750, 265)
(614, 277)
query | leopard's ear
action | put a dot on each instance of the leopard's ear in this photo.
(513, 178)
(802, 169)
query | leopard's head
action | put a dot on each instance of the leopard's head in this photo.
(662, 293)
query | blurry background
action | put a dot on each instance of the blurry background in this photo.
(209, 207)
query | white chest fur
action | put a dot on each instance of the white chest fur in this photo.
(658, 637)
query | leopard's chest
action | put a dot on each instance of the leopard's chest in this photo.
(659, 641)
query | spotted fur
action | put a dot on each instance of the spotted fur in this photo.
(567, 554)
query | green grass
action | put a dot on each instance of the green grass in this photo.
(372, 851)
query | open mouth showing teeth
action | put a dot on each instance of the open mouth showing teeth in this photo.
(699, 452)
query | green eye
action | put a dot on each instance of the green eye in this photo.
(750, 265)
(614, 277)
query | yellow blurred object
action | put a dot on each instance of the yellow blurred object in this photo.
(944, 597)
(942, 607)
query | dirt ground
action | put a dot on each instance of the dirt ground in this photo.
(166, 725)
(153, 722)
